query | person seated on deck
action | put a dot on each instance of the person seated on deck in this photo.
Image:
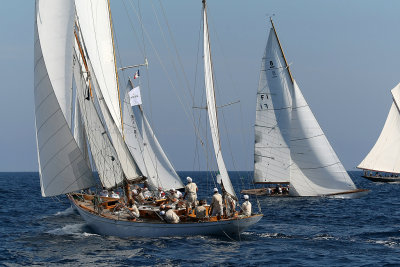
(114, 195)
(138, 196)
(135, 211)
(160, 193)
(171, 216)
(246, 207)
(191, 193)
(146, 193)
(216, 207)
(104, 193)
(173, 197)
(200, 210)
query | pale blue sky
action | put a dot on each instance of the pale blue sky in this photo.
(344, 56)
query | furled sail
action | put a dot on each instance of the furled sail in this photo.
(212, 108)
(290, 146)
(62, 166)
(104, 155)
(273, 114)
(95, 25)
(385, 155)
(315, 170)
(146, 149)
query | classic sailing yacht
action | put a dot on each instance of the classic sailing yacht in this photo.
(290, 146)
(382, 164)
(80, 127)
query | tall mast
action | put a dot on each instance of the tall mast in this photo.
(280, 47)
(116, 69)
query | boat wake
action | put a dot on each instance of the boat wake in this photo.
(79, 229)
(67, 212)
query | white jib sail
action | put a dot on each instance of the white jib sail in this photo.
(128, 164)
(94, 22)
(385, 155)
(212, 109)
(62, 167)
(103, 153)
(315, 170)
(273, 113)
(146, 149)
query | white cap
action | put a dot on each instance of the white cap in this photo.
(246, 196)
(134, 191)
(215, 189)
(162, 212)
(172, 189)
(189, 179)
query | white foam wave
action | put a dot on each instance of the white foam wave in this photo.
(71, 229)
(68, 211)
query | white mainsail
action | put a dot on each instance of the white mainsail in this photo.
(95, 26)
(146, 149)
(273, 114)
(212, 107)
(62, 166)
(290, 145)
(385, 155)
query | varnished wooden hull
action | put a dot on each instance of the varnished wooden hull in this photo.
(382, 179)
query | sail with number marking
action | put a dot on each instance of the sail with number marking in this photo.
(290, 146)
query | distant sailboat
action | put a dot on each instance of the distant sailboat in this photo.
(382, 164)
(74, 41)
(290, 146)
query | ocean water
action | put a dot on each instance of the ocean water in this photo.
(293, 232)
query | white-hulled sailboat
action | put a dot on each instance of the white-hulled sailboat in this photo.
(290, 146)
(382, 164)
(80, 128)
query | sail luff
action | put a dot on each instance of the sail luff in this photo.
(212, 107)
(273, 114)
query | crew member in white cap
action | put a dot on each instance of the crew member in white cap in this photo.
(216, 204)
(191, 193)
(246, 206)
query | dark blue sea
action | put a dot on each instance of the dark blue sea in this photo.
(293, 232)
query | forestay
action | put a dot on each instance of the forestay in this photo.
(212, 108)
(62, 167)
(146, 149)
(385, 155)
(273, 114)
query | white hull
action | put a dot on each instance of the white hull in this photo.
(106, 226)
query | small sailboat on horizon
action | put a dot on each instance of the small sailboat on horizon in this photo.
(290, 146)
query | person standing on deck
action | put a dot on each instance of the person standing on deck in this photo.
(216, 205)
(191, 193)
(246, 206)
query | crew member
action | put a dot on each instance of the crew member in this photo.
(171, 216)
(201, 211)
(216, 204)
(246, 206)
(191, 193)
